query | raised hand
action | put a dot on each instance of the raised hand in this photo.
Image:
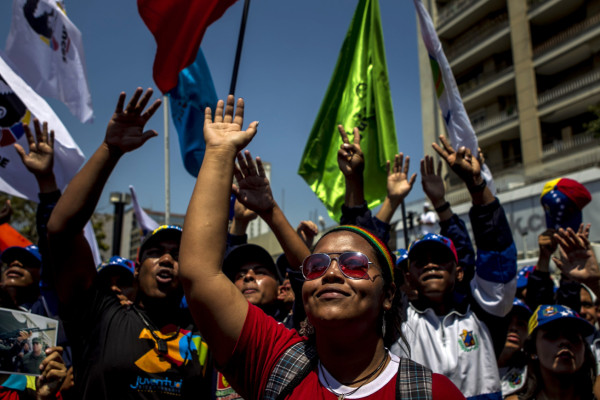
(350, 157)
(40, 159)
(577, 259)
(125, 131)
(462, 162)
(242, 213)
(307, 230)
(398, 184)
(253, 190)
(226, 129)
(52, 374)
(433, 184)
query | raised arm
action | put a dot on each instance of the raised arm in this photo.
(217, 306)
(351, 162)
(468, 169)
(73, 262)
(254, 192)
(398, 186)
(40, 162)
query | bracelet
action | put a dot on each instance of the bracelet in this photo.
(477, 188)
(442, 208)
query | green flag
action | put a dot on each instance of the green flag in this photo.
(358, 96)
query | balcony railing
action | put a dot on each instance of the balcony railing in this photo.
(568, 34)
(533, 4)
(477, 35)
(481, 80)
(573, 143)
(488, 123)
(452, 9)
(569, 87)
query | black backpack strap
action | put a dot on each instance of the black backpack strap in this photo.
(413, 381)
(293, 366)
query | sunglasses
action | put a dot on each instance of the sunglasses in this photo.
(353, 264)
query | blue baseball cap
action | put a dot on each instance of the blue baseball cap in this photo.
(117, 263)
(401, 258)
(552, 313)
(519, 305)
(163, 232)
(523, 276)
(433, 240)
(29, 256)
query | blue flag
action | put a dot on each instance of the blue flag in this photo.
(194, 92)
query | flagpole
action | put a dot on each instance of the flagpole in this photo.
(167, 174)
(238, 51)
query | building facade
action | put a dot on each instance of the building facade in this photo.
(528, 72)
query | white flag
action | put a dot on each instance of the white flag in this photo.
(47, 50)
(19, 104)
(459, 126)
(147, 224)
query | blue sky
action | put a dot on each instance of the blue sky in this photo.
(290, 51)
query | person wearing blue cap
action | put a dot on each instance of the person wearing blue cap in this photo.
(117, 274)
(560, 362)
(21, 276)
(151, 349)
(512, 360)
(459, 332)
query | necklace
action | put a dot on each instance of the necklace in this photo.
(364, 380)
(162, 343)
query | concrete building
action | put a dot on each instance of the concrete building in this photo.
(528, 72)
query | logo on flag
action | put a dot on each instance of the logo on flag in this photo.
(47, 50)
(13, 114)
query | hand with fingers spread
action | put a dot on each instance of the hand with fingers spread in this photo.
(226, 129)
(577, 260)
(125, 131)
(398, 184)
(350, 157)
(52, 374)
(462, 162)
(253, 190)
(40, 159)
(433, 184)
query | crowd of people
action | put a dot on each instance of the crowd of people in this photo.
(201, 313)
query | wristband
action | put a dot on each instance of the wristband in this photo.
(477, 188)
(442, 208)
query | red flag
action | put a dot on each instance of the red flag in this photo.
(178, 27)
(10, 237)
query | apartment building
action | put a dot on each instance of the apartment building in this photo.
(528, 72)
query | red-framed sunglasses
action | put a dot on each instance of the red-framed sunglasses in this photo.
(353, 264)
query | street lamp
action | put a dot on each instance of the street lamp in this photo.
(120, 200)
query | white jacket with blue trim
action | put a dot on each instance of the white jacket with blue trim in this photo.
(459, 345)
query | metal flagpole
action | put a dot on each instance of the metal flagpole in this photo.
(167, 174)
(238, 52)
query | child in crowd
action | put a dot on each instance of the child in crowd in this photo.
(448, 331)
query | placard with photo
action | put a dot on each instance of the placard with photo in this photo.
(24, 338)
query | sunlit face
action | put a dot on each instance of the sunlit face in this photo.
(588, 309)
(158, 275)
(333, 299)
(560, 348)
(257, 283)
(16, 274)
(433, 273)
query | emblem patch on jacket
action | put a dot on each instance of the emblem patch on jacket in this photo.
(468, 341)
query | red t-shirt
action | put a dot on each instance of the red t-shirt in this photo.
(261, 344)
